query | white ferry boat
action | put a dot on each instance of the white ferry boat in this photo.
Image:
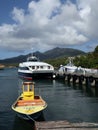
(33, 68)
(69, 68)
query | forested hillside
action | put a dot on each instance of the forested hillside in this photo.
(58, 56)
(51, 54)
(88, 60)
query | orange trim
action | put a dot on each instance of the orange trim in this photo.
(29, 102)
(35, 100)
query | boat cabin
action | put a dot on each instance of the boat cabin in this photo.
(32, 58)
(28, 90)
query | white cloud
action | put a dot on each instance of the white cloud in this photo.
(18, 15)
(48, 23)
(88, 13)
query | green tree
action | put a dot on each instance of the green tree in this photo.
(96, 49)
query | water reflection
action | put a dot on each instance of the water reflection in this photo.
(66, 101)
(22, 124)
(87, 90)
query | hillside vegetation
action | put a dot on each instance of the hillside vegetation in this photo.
(58, 56)
(48, 55)
(89, 60)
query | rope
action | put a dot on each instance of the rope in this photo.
(33, 121)
(31, 118)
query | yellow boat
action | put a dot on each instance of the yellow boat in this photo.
(28, 105)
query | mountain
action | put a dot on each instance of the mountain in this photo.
(59, 52)
(50, 54)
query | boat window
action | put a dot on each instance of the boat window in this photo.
(48, 67)
(34, 59)
(37, 67)
(30, 88)
(41, 67)
(25, 88)
(33, 67)
(23, 68)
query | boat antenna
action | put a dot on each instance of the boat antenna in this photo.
(32, 54)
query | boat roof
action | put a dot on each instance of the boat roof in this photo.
(70, 65)
(28, 83)
(34, 64)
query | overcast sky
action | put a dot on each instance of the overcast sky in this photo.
(40, 25)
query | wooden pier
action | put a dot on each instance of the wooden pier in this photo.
(65, 125)
(89, 80)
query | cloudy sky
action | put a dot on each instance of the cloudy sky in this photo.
(41, 25)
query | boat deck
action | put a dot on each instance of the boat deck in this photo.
(36, 101)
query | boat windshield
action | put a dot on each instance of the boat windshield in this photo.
(28, 90)
(33, 58)
(31, 88)
(25, 88)
(28, 87)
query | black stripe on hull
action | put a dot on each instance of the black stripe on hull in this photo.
(32, 117)
(35, 75)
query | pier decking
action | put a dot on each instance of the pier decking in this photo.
(65, 125)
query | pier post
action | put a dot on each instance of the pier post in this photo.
(92, 81)
(84, 81)
(77, 80)
(96, 87)
(80, 80)
(87, 84)
(74, 79)
(69, 77)
(66, 78)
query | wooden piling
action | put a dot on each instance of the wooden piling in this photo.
(96, 87)
(74, 79)
(84, 81)
(89, 80)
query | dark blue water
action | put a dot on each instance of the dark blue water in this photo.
(65, 101)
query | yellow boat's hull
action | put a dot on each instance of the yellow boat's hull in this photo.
(29, 109)
(33, 117)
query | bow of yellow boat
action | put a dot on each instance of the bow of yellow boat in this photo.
(29, 109)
